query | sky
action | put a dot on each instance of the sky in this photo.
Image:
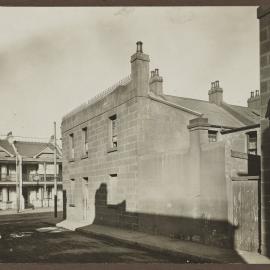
(54, 59)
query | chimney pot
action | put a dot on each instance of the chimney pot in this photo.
(139, 46)
(257, 93)
(252, 94)
(152, 73)
(215, 93)
(156, 72)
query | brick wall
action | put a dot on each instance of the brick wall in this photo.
(264, 59)
(264, 18)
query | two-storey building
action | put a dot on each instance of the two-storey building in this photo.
(37, 174)
(137, 158)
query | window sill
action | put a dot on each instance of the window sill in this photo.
(113, 149)
(71, 160)
(71, 205)
(84, 156)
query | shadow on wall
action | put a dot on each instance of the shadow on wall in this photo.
(211, 232)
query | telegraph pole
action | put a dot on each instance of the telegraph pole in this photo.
(20, 183)
(11, 141)
(55, 174)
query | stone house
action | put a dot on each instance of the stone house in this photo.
(137, 158)
(37, 174)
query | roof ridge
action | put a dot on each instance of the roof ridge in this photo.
(99, 96)
(188, 98)
(236, 105)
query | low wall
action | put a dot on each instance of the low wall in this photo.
(203, 230)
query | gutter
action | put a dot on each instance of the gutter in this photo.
(240, 129)
(158, 99)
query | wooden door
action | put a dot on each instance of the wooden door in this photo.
(245, 215)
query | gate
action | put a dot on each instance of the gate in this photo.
(246, 199)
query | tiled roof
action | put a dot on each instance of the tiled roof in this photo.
(217, 115)
(26, 149)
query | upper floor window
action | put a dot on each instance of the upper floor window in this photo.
(113, 131)
(212, 136)
(71, 146)
(85, 141)
(252, 143)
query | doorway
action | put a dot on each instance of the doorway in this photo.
(85, 193)
(25, 194)
(246, 196)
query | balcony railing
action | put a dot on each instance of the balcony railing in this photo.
(30, 178)
(8, 177)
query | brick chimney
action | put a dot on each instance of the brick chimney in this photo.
(215, 93)
(156, 82)
(254, 102)
(140, 70)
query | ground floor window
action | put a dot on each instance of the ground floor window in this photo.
(72, 193)
(212, 136)
(252, 142)
(49, 192)
(112, 190)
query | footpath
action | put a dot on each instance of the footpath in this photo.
(173, 246)
(26, 211)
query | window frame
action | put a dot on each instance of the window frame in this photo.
(85, 145)
(71, 147)
(72, 190)
(255, 149)
(113, 182)
(113, 136)
(210, 136)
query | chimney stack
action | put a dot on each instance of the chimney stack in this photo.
(140, 71)
(215, 93)
(254, 102)
(156, 82)
(257, 93)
